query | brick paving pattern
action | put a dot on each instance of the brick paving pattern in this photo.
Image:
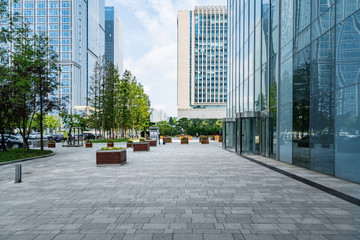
(174, 191)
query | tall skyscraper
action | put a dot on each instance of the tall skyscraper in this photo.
(294, 83)
(76, 30)
(202, 62)
(113, 38)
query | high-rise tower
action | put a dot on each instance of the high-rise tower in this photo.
(202, 62)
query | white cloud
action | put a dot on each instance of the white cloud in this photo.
(156, 69)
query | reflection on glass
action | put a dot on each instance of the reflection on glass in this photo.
(301, 77)
(301, 136)
(347, 133)
(348, 51)
(322, 64)
(285, 131)
(322, 133)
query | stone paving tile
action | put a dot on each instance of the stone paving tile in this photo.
(171, 192)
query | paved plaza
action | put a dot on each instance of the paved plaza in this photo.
(171, 192)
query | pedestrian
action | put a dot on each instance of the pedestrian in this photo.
(197, 135)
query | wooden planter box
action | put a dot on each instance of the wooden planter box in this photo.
(128, 145)
(88, 145)
(213, 138)
(168, 140)
(51, 145)
(111, 157)
(110, 144)
(220, 139)
(205, 141)
(153, 143)
(141, 146)
(184, 141)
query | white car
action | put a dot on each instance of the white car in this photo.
(34, 135)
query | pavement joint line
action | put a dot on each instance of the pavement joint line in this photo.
(321, 187)
(27, 159)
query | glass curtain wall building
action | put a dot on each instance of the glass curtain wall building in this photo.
(66, 24)
(113, 38)
(294, 83)
(202, 62)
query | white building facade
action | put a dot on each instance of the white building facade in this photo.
(202, 62)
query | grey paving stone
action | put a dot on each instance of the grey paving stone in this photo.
(203, 192)
(165, 236)
(137, 237)
(188, 237)
(218, 236)
(65, 236)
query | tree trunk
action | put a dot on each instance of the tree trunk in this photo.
(3, 141)
(41, 119)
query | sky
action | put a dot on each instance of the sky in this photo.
(150, 45)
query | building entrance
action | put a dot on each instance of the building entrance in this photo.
(253, 134)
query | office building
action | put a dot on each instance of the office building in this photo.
(202, 62)
(67, 24)
(294, 83)
(113, 38)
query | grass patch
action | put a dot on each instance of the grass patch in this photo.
(114, 140)
(16, 154)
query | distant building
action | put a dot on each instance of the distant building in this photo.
(76, 32)
(202, 62)
(113, 38)
(157, 115)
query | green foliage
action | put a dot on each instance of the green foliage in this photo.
(29, 70)
(16, 154)
(190, 127)
(112, 148)
(120, 103)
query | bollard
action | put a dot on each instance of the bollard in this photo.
(18, 173)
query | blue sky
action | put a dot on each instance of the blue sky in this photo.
(150, 40)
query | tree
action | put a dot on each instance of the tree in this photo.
(46, 72)
(6, 87)
(52, 122)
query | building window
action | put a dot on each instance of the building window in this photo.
(41, 5)
(29, 13)
(65, 56)
(65, 12)
(53, 12)
(65, 19)
(54, 19)
(65, 41)
(40, 13)
(54, 5)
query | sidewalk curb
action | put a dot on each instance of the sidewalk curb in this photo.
(27, 159)
(316, 185)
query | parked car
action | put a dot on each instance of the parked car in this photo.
(6, 145)
(59, 137)
(13, 142)
(88, 136)
(34, 135)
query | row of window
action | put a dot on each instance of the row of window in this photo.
(43, 19)
(28, 5)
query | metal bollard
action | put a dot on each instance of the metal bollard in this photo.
(18, 173)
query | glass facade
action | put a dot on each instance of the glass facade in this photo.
(208, 28)
(294, 82)
(113, 38)
(66, 25)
